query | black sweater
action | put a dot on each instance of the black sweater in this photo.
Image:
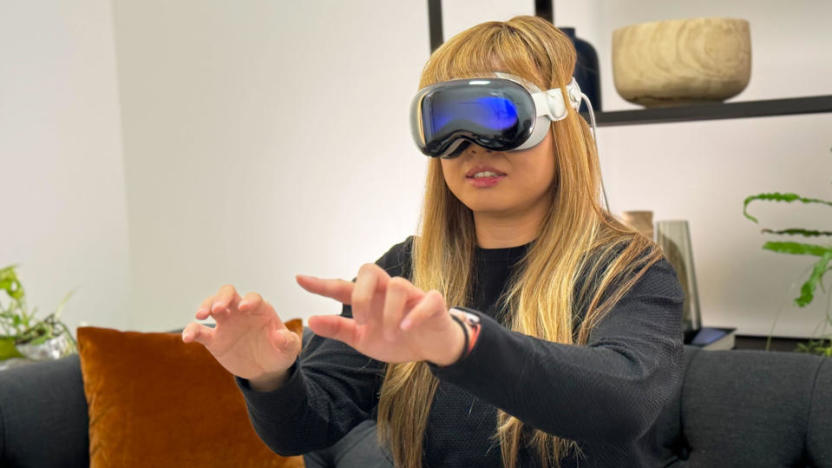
(606, 395)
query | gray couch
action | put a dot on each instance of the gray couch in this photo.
(736, 408)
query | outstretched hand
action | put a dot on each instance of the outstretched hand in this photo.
(249, 340)
(393, 320)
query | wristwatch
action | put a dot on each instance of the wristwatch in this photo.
(472, 321)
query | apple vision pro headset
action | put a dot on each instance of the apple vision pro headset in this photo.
(498, 111)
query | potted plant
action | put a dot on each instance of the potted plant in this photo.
(21, 333)
(823, 262)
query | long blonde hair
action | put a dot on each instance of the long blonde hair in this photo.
(576, 239)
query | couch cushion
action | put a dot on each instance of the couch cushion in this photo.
(156, 401)
(748, 408)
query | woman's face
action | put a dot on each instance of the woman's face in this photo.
(521, 185)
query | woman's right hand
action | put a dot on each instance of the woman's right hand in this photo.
(249, 339)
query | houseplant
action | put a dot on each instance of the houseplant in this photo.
(21, 333)
(822, 265)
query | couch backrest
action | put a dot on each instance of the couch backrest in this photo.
(43, 415)
(735, 408)
(755, 408)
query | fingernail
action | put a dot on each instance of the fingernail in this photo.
(185, 335)
(242, 304)
(405, 324)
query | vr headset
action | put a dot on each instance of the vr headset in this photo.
(498, 111)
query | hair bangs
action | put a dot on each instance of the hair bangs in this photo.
(485, 48)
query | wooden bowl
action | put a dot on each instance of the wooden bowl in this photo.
(678, 62)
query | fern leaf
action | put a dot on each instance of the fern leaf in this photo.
(797, 248)
(808, 288)
(798, 231)
(781, 197)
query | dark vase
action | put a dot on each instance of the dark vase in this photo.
(587, 73)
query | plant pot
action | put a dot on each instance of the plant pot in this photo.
(53, 348)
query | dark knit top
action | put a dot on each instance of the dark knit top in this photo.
(606, 395)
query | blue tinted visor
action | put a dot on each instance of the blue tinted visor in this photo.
(494, 113)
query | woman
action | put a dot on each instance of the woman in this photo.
(569, 340)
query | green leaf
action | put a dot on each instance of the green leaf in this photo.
(808, 288)
(40, 340)
(8, 348)
(822, 347)
(798, 231)
(18, 323)
(779, 197)
(63, 303)
(10, 283)
(797, 248)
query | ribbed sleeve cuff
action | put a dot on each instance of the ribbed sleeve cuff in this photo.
(289, 397)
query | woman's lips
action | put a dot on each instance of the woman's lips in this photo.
(483, 168)
(489, 176)
(483, 182)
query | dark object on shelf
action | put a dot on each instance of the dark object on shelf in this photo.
(587, 72)
(729, 110)
(711, 338)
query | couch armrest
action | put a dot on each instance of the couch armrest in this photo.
(43, 415)
(819, 437)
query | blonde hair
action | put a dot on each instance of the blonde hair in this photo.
(577, 238)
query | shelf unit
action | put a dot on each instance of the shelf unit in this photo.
(715, 111)
(709, 111)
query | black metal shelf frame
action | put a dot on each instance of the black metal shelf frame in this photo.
(716, 111)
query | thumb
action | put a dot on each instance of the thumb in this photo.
(333, 326)
(199, 333)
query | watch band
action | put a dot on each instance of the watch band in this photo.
(464, 333)
(474, 325)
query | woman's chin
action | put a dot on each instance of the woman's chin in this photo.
(483, 208)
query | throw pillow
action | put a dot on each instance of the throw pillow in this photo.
(156, 401)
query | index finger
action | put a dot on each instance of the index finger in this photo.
(337, 289)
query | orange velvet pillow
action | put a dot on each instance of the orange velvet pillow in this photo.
(156, 401)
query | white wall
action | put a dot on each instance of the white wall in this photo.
(62, 193)
(263, 139)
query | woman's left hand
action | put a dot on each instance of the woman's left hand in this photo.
(393, 320)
